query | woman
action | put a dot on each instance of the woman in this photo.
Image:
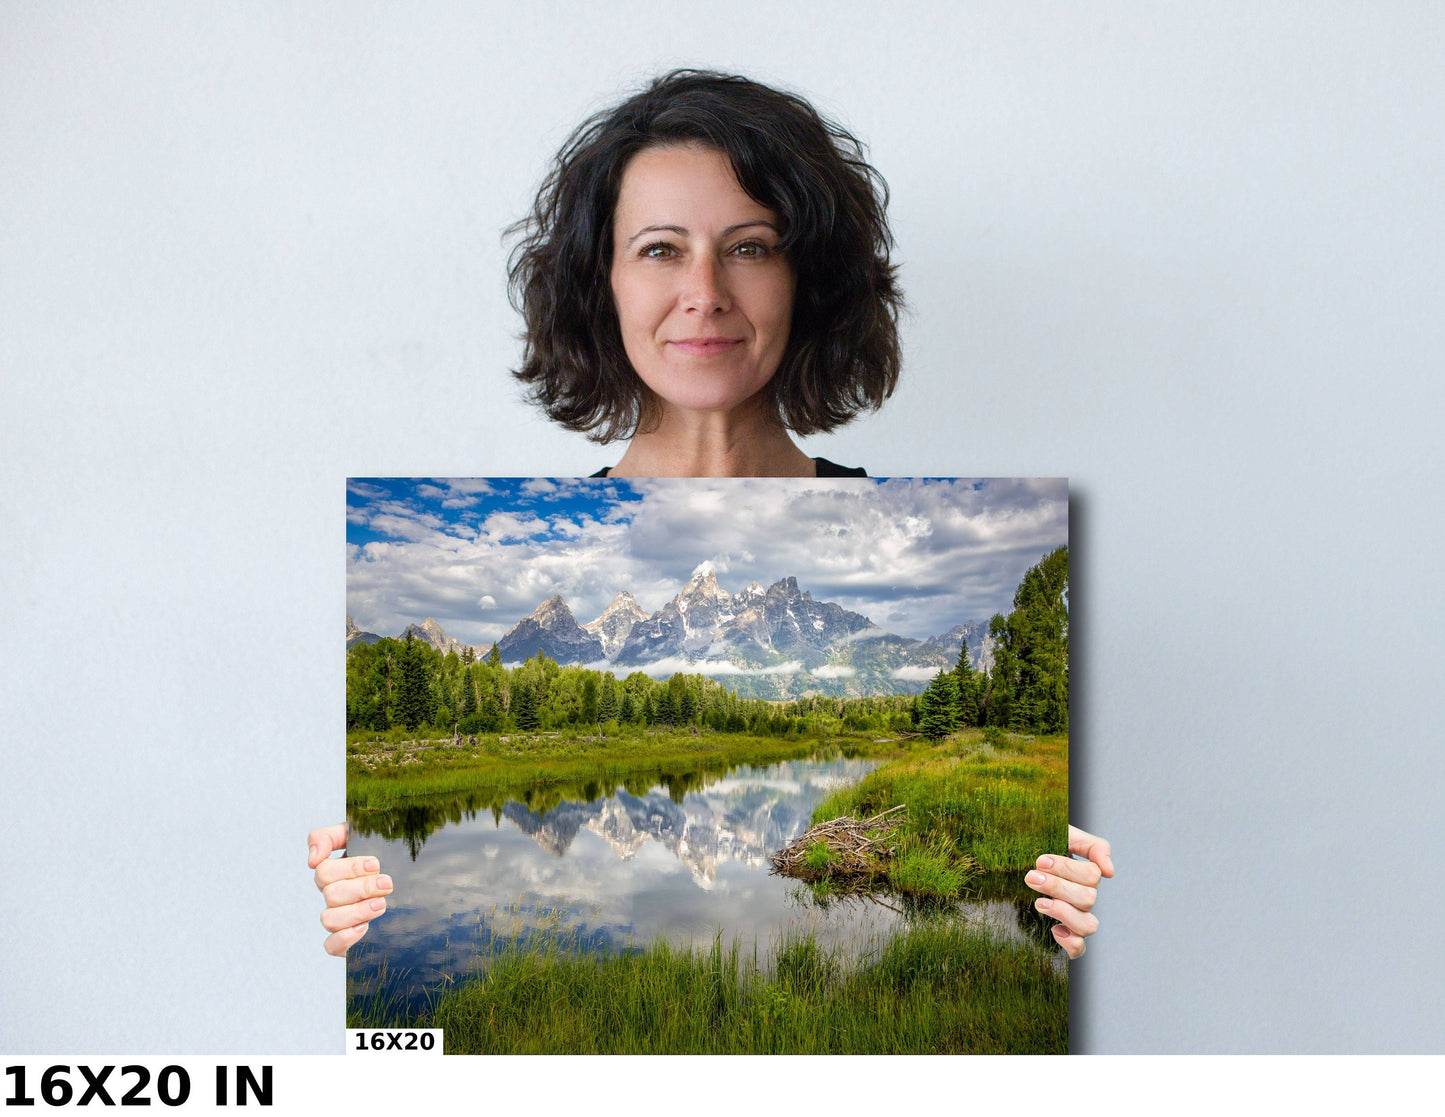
(705, 273)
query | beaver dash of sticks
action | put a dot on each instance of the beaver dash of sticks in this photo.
(847, 850)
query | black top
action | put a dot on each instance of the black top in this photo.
(825, 469)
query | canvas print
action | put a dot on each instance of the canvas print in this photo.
(709, 765)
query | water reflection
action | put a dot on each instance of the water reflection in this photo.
(681, 856)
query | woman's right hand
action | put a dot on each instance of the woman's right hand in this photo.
(354, 887)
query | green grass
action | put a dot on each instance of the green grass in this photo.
(923, 872)
(385, 777)
(1000, 806)
(930, 989)
(818, 857)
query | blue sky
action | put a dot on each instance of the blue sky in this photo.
(916, 556)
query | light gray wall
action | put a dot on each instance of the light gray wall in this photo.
(1188, 256)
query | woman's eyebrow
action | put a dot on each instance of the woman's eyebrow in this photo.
(680, 231)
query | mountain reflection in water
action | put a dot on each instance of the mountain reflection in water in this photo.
(610, 871)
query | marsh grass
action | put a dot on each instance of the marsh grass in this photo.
(519, 763)
(931, 989)
(377, 1001)
(933, 870)
(1000, 803)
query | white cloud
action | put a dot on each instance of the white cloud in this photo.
(834, 671)
(916, 674)
(939, 552)
(672, 665)
(502, 526)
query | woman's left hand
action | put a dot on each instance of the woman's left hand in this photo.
(1070, 887)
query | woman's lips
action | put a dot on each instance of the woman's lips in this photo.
(705, 346)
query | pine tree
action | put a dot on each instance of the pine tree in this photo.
(469, 694)
(938, 716)
(607, 700)
(999, 697)
(967, 680)
(1035, 640)
(589, 699)
(494, 657)
(524, 707)
(413, 703)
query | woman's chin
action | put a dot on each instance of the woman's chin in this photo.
(702, 400)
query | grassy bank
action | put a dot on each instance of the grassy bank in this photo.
(974, 805)
(931, 989)
(389, 774)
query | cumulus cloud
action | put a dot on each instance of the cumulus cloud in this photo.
(503, 526)
(933, 553)
(834, 671)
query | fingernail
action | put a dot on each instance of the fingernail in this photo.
(383, 882)
(1046, 862)
(1043, 903)
(1035, 879)
(1060, 931)
(370, 865)
(378, 904)
(363, 927)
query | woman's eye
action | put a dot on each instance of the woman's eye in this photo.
(660, 250)
(751, 249)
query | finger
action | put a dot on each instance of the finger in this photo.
(1070, 868)
(1095, 848)
(339, 943)
(340, 868)
(322, 842)
(354, 889)
(338, 919)
(1079, 922)
(1079, 895)
(1073, 944)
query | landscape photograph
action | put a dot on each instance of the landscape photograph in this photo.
(741, 765)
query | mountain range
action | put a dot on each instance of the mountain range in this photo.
(776, 643)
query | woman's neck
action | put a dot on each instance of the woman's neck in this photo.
(747, 443)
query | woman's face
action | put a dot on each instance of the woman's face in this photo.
(702, 294)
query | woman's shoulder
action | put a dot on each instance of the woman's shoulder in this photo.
(833, 469)
(825, 469)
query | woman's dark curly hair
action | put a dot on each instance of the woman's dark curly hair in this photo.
(842, 355)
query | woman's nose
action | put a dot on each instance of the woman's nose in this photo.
(705, 286)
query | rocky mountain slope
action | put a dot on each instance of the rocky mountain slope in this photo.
(552, 630)
(776, 642)
(980, 643)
